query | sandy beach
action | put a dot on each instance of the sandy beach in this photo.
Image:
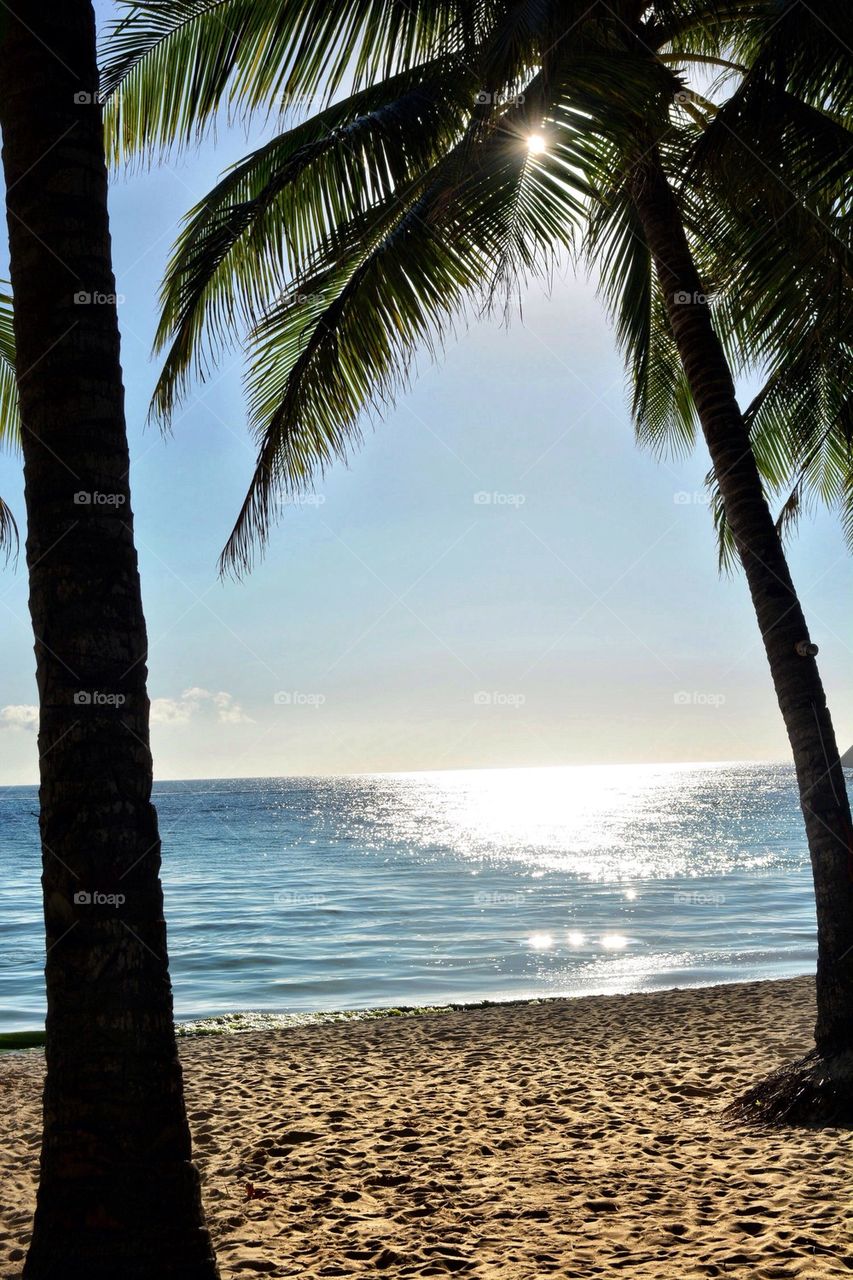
(569, 1138)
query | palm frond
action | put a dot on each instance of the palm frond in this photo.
(846, 511)
(170, 66)
(774, 170)
(346, 343)
(243, 244)
(10, 424)
(9, 536)
(805, 48)
(802, 450)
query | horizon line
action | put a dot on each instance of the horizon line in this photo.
(397, 773)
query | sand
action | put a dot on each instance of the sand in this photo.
(572, 1138)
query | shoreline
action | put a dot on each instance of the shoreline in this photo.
(247, 1021)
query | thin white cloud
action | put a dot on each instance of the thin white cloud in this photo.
(194, 702)
(181, 710)
(229, 711)
(169, 711)
(20, 717)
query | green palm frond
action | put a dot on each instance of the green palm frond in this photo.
(764, 133)
(791, 304)
(846, 510)
(170, 66)
(616, 246)
(9, 536)
(344, 341)
(661, 404)
(10, 424)
(805, 46)
(774, 169)
(248, 238)
(245, 241)
(801, 434)
(702, 31)
(664, 414)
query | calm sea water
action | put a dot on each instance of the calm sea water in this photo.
(296, 894)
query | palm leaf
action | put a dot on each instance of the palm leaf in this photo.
(246, 240)
(346, 342)
(10, 424)
(171, 66)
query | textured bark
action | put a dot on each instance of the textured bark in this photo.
(119, 1195)
(823, 793)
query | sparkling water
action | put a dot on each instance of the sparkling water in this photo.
(298, 894)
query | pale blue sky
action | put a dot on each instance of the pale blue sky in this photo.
(587, 606)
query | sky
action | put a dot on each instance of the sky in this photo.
(500, 578)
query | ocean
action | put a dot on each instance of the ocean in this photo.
(291, 895)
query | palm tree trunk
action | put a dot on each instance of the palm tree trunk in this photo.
(824, 1082)
(119, 1195)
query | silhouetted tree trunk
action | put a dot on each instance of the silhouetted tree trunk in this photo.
(822, 1086)
(119, 1196)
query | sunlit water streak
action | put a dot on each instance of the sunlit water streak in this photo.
(329, 893)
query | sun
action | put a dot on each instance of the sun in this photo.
(536, 144)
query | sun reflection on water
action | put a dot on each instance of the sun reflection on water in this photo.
(605, 823)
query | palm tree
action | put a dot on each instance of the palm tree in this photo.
(352, 237)
(119, 1195)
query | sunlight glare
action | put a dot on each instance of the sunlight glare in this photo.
(536, 144)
